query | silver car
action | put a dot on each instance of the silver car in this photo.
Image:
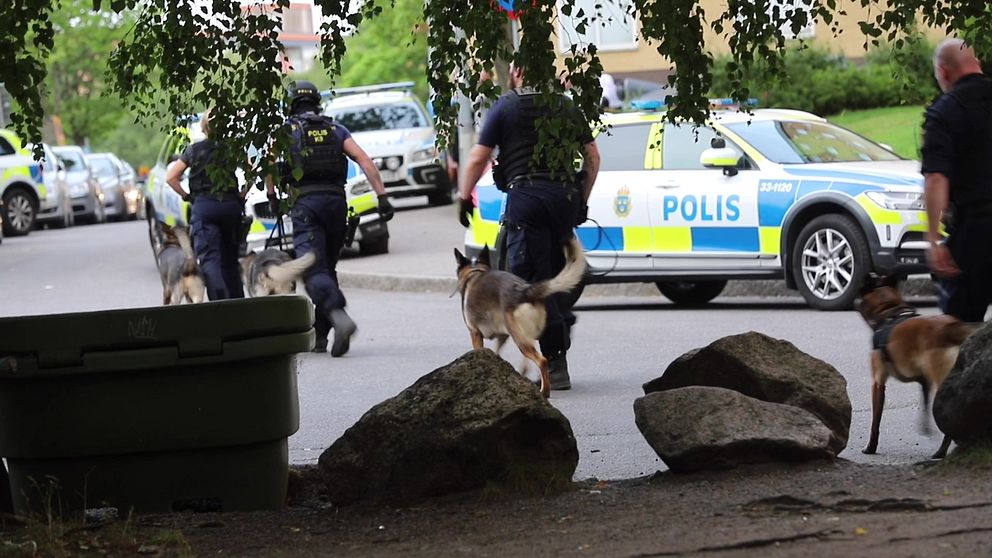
(84, 188)
(120, 195)
(57, 211)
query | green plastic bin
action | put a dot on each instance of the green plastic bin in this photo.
(153, 409)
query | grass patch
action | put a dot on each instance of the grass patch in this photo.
(976, 457)
(901, 128)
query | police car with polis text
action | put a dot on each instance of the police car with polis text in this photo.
(769, 195)
(164, 206)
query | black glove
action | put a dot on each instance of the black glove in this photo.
(386, 210)
(186, 197)
(465, 211)
(583, 215)
(274, 204)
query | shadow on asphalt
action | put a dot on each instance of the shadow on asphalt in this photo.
(765, 304)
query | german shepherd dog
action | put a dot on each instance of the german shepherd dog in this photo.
(178, 269)
(273, 271)
(907, 346)
(499, 305)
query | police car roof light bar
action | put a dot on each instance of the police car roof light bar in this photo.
(342, 91)
(659, 104)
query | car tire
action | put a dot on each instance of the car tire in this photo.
(374, 247)
(691, 293)
(20, 212)
(155, 237)
(830, 258)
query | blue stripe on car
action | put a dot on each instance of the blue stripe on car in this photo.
(600, 238)
(877, 178)
(725, 239)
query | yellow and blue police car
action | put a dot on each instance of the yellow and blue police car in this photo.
(768, 195)
(22, 186)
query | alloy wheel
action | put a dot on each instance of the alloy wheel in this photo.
(827, 264)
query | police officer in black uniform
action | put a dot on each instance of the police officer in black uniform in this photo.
(215, 223)
(957, 150)
(320, 213)
(543, 203)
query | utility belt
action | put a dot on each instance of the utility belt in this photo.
(545, 179)
(225, 195)
(307, 189)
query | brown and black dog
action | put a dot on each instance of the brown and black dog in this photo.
(178, 269)
(908, 347)
(499, 305)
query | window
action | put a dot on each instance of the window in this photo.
(622, 149)
(610, 27)
(809, 142)
(784, 8)
(682, 146)
(381, 117)
(103, 166)
(73, 160)
(5, 147)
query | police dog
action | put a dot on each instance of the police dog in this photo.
(499, 305)
(178, 269)
(273, 271)
(907, 346)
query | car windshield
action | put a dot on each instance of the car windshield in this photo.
(379, 117)
(103, 166)
(797, 142)
(73, 160)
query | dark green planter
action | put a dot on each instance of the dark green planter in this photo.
(153, 409)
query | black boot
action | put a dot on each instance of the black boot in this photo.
(558, 368)
(320, 337)
(344, 328)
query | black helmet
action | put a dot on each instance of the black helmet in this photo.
(303, 91)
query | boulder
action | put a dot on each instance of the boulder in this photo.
(696, 428)
(768, 369)
(462, 426)
(962, 406)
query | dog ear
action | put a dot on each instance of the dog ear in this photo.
(484, 256)
(461, 260)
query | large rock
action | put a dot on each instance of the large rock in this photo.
(768, 369)
(962, 407)
(695, 428)
(463, 425)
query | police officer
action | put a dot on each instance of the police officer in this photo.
(320, 213)
(215, 222)
(543, 204)
(957, 149)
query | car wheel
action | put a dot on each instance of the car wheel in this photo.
(691, 293)
(20, 212)
(373, 247)
(829, 261)
(155, 236)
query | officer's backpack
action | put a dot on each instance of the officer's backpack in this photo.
(316, 151)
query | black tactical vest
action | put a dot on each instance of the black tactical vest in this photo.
(972, 180)
(202, 154)
(317, 151)
(516, 156)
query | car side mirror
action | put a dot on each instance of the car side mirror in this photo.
(720, 157)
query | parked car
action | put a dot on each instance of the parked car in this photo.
(84, 188)
(22, 186)
(163, 205)
(393, 128)
(772, 195)
(120, 193)
(59, 212)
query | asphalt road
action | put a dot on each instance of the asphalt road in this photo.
(619, 342)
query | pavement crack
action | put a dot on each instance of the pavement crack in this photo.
(822, 534)
(787, 503)
(951, 533)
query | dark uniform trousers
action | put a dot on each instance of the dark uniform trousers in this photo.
(967, 296)
(539, 218)
(320, 221)
(215, 226)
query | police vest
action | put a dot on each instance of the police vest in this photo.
(203, 154)
(972, 180)
(317, 151)
(516, 156)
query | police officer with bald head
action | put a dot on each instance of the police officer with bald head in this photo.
(957, 149)
(543, 204)
(317, 171)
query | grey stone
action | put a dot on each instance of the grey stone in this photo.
(768, 369)
(462, 426)
(696, 428)
(962, 407)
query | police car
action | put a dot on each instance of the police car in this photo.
(769, 195)
(22, 187)
(163, 205)
(390, 124)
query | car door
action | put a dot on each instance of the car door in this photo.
(703, 218)
(618, 235)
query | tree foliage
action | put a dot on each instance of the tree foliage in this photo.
(182, 55)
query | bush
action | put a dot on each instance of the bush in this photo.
(824, 83)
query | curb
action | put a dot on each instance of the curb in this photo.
(432, 284)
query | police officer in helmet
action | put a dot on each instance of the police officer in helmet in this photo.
(320, 213)
(544, 200)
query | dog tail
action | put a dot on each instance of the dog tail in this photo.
(293, 269)
(570, 276)
(189, 267)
